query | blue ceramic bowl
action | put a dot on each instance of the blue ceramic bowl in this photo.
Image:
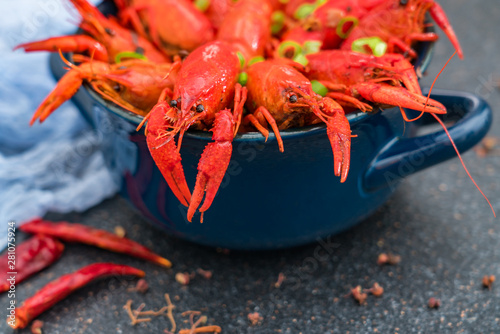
(271, 200)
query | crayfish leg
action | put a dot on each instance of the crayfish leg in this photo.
(396, 42)
(250, 118)
(130, 15)
(261, 111)
(349, 101)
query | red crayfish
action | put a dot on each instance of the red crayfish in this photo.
(132, 84)
(109, 39)
(399, 23)
(173, 24)
(281, 96)
(351, 76)
(206, 86)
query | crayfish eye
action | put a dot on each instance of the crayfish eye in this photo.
(403, 2)
(293, 98)
(200, 108)
(173, 103)
(109, 31)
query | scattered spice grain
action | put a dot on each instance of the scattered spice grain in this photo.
(488, 281)
(434, 303)
(255, 318)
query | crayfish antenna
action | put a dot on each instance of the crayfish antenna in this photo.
(451, 140)
(463, 163)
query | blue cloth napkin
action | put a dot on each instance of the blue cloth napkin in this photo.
(57, 165)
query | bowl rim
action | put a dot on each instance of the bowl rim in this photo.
(426, 51)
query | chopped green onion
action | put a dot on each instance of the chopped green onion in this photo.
(243, 78)
(287, 46)
(254, 60)
(343, 21)
(278, 21)
(319, 88)
(304, 11)
(202, 5)
(129, 54)
(276, 27)
(301, 59)
(320, 2)
(311, 47)
(377, 45)
(284, 1)
(241, 58)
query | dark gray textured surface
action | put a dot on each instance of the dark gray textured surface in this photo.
(437, 221)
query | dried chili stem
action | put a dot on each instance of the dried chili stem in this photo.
(133, 314)
(128, 309)
(151, 312)
(205, 329)
(281, 279)
(191, 315)
(139, 309)
(169, 312)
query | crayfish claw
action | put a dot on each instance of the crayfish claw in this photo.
(390, 95)
(442, 21)
(213, 163)
(341, 146)
(338, 130)
(166, 156)
(67, 86)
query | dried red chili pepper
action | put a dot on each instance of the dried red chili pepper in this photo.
(73, 232)
(31, 256)
(60, 288)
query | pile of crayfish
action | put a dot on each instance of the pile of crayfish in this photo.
(233, 66)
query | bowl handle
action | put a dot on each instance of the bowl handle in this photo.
(405, 156)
